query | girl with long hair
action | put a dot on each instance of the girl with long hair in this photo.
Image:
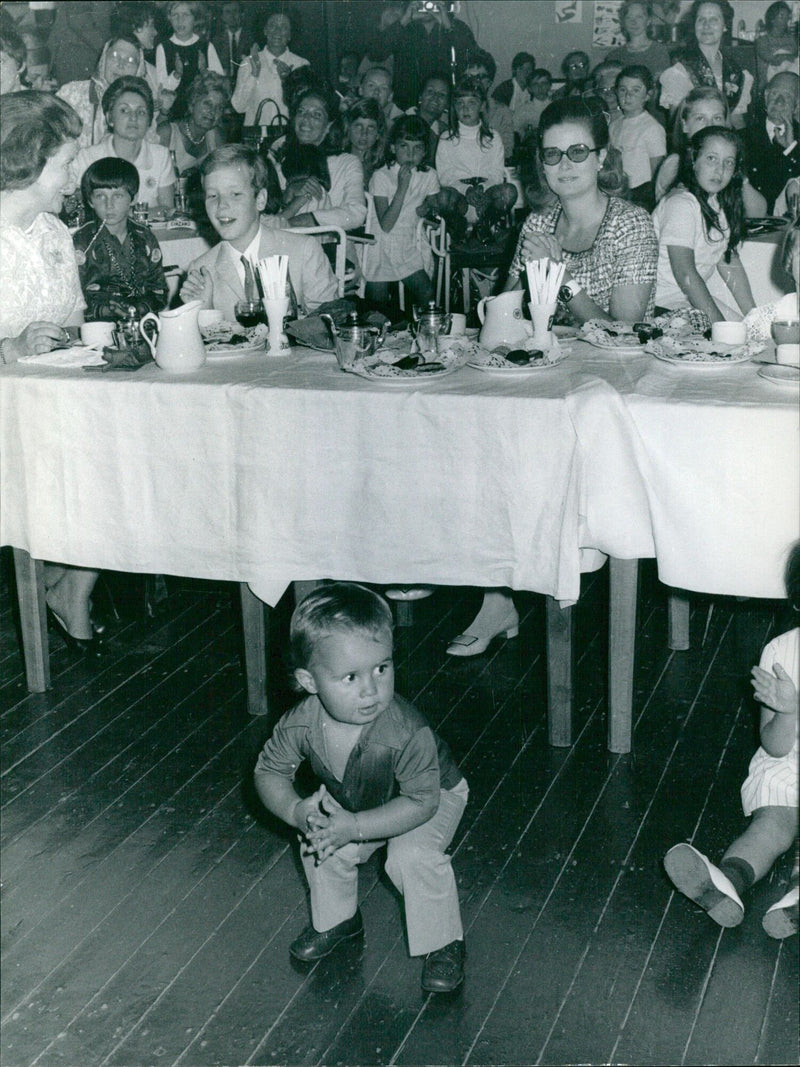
(704, 106)
(700, 226)
(365, 135)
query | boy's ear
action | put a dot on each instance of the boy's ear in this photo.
(261, 199)
(305, 679)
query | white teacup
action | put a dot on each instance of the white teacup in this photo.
(97, 333)
(458, 324)
(728, 333)
(208, 316)
(788, 354)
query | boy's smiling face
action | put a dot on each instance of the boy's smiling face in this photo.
(232, 204)
(352, 673)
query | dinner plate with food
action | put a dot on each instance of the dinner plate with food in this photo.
(698, 352)
(506, 359)
(628, 338)
(226, 339)
(405, 366)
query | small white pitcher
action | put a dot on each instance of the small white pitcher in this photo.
(503, 322)
(177, 345)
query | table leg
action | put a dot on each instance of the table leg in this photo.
(33, 620)
(624, 580)
(678, 621)
(254, 624)
(560, 627)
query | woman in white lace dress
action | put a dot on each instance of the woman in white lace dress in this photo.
(41, 292)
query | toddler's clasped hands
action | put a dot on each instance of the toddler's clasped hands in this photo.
(324, 824)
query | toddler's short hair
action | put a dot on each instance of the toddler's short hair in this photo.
(336, 606)
(110, 173)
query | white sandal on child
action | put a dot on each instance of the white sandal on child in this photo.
(694, 875)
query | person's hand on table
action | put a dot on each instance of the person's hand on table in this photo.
(37, 337)
(774, 689)
(199, 285)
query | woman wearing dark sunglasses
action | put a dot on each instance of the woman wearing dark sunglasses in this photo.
(610, 252)
(607, 245)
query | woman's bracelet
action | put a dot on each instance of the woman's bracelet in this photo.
(358, 827)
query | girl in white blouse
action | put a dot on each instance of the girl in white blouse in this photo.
(699, 226)
(470, 159)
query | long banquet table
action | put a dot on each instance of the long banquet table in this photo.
(268, 471)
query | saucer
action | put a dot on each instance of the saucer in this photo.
(780, 374)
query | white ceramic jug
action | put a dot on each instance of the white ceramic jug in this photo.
(502, 320)
(177, 345)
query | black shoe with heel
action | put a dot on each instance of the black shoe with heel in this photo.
(83, 646)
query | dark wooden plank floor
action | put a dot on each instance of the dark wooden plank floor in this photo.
(148, 902)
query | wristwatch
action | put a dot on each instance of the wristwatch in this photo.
(568, 290)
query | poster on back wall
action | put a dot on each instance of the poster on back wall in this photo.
(606, 30)
(568, 11)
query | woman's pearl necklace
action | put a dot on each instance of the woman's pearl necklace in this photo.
(188, 136)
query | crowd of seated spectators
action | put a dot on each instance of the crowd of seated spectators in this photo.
(638, 175)
(174, 82)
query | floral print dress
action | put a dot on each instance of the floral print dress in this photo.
(38, 275)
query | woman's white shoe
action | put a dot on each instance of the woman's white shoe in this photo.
(468, 644)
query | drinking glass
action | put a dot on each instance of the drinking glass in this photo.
(249, 313)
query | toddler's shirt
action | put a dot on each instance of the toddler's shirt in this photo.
(397, 754)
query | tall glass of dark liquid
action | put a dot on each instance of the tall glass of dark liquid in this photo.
(250, 312)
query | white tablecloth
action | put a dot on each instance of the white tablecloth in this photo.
(269, 471)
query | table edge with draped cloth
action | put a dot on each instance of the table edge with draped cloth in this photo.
(267, 472)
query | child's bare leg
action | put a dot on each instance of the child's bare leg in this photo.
(772, 830)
